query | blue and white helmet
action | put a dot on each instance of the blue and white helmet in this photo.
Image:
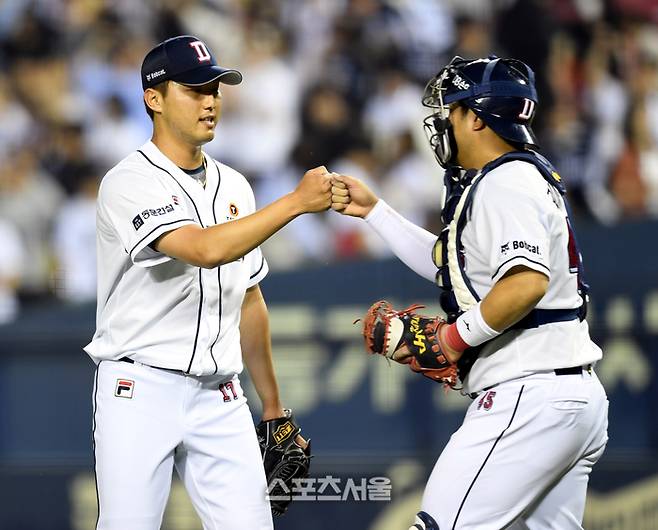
(501, 92)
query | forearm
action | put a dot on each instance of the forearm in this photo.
(226, 242)
(513, 297)
(510, 299)
(412, 244)
(257, 352)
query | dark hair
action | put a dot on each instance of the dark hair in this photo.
(162, 88)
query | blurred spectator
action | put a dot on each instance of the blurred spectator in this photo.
(352, 239)
(12, 259)
(310, 26)
(307, 239)
(606, 103)
(115, 135)
(258, 128)
(627, 180)
(64, 156)
(524, 29)
(16, 125)
(29, 199)
(394, 108)
(413, 183)
(329, 127)
(430, 31)
(108, 65)
(326, 83)
(74, 242)
(473, 38)
(635, 179)
(31, 35)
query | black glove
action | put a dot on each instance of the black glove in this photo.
(283, 458)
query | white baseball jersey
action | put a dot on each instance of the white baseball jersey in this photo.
(517, 218)
(152, 308)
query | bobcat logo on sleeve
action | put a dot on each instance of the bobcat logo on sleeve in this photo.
(528, 247)
(124, 388)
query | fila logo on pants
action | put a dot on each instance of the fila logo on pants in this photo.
(124, 388)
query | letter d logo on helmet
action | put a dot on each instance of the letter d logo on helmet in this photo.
(501, 92)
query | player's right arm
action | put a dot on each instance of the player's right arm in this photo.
(223, 243)
(412, 244)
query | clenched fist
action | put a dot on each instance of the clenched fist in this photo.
(350, 196)
(313, 192)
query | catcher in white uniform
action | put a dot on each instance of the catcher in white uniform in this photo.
(179, 308)
(515, 339)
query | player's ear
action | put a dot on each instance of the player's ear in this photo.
(153, 99)
(477, 122)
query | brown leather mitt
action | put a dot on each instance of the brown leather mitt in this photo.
(409, 338)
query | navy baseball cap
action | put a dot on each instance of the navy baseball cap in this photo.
(186, 60)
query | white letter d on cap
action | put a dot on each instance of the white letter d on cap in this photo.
(201, 51)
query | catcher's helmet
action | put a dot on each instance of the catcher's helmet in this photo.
(500, 91)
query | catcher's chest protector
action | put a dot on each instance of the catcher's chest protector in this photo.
(457, 293)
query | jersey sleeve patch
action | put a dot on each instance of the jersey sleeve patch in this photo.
(139, 208)
(141, 218)
(511, 224)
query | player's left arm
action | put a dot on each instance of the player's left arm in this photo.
(257, 351)
(256, 344)
(431, 346)
(513, 297)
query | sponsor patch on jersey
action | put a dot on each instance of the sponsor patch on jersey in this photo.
(124, 388)
(519, 245)
(284, 431)
(153, 212)
(524, 245)
(233, 210)
(138, 222)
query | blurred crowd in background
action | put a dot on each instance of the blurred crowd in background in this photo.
(333, 82)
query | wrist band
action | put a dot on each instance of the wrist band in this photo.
(473, 329)
(453, 338)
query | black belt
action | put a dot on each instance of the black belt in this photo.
(539, 317)
(573, 370)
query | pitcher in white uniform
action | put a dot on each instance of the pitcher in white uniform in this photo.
(512, 287)
(179, 308)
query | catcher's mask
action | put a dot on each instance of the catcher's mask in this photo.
(501, 92)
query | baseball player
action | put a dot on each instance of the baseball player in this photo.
(179, 308)
(511, 285)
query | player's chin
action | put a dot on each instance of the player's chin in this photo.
(205, 136)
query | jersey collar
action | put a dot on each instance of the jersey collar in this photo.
(159, 158)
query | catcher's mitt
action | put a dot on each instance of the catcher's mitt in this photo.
(283, 458)
(409, 338)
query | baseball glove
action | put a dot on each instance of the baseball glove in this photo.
(409, 338)
(284, 459)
